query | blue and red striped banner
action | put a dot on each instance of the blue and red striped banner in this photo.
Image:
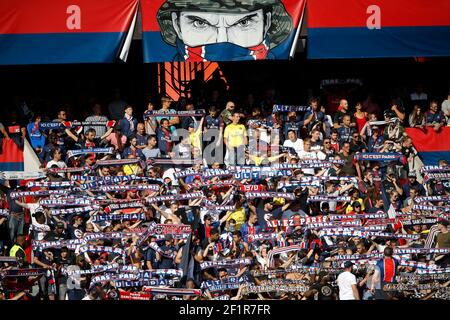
(378, 28)
(63, 31)
(432, 146)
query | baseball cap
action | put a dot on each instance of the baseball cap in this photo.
(60, 225)
(412, 174)
(348, 264)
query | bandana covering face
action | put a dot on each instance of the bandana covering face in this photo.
(223, 51)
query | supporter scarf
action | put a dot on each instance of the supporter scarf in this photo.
(211, 173)
(19, 175)
(260, 195)
(422, 277)
(419, 221)
(437, 176)
(68, 169)
(4, 259)
(357, 216)
(32, 272)
(328, 178)
(117, 162)
(114, 217)
(341, 232)
(430, 208)
(297, 184)
(296, 221)
(73, 124)
(219, 208)
(262, 237)
(93, 270)
(274, 288)
(411, 287)
(135, 296)
(173, 291)
(128, 187)
(51, 125)
(283, 282)
(79, 152)
(225, 263)
(229, 283)
(92, 248)
(146, 282)
(418, 265)
(145, 234)
(72, 243)
(4, 213)
(39, 193)
(381, 123)
(108, 235)
(260, 174)
(57, 212)
(421, 250)
(391, 235)
(288, 108)
(121, 206)
(82, 178)
(326, 198)
(319, 225)
(434, 169)
(158, 113)
(225, 183)
(377, 156)
(168, 254)
(161, 273)
(177, 229)
(118, 201)
(432, 199)
(65, 202)
(186, 173)
(435, 271)
(50, 184)
(222, 297)
(170, 161)
(112, 277)
(342, 257)
(177, 197)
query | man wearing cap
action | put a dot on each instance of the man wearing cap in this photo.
(346, 281)
(214, 30)
(412, 183)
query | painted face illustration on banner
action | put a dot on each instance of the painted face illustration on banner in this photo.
(202, 28)
(215, 30)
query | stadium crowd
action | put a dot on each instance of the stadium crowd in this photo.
(226, 202)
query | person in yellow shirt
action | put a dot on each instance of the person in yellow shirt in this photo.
(195, 132)
(354, 197)
(235, 138)
(239, 215)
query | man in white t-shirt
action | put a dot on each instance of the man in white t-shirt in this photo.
(293, 141)
(56, 160)
(307, 154)
(347, 283)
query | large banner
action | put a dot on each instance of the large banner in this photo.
(432, 146)
(65, 31)
(15, 160)
(378, 28)
(219, 30)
